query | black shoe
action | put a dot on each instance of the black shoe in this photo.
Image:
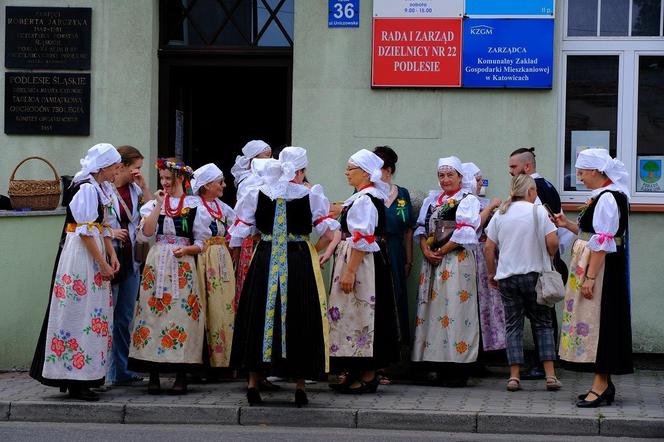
(154, 386)
(265, 385)
(253, 396)
(607, 396)
(365, 387)
(611, 392)
(348, 380)
(84, 394)
(300, 397)
(535, 373)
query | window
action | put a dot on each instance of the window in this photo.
(253, 23)
(612, 86)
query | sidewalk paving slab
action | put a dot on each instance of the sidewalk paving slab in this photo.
(483, 407)
(181, 414)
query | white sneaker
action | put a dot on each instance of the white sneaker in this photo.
(309, 381)
(274, 379)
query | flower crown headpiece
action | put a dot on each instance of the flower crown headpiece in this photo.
(177, 167)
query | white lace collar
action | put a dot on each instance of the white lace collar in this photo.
(611, 187)
(371, 190)
(288, 191)
(435, 196)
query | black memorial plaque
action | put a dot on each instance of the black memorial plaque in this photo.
(47, 103)
(51, 38)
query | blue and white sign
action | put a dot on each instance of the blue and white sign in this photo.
(507, 53)
(510, 7)
(343, 14)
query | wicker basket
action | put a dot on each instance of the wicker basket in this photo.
(34, 194)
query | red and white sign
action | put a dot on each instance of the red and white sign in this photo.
(416, 52)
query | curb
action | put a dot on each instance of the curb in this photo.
(66, 412)
(287, 416)
(180, 414)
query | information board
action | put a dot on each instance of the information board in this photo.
(416, 52)
(47, 103)
(418, 9)
(52, 38)
(343, 14)
(508, 53)
(510, 7)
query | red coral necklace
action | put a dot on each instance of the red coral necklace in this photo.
(216, 214)
(167, 207)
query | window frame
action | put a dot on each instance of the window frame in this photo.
(628, 49)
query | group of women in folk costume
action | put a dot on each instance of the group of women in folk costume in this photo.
(282, 321)
(76, 337)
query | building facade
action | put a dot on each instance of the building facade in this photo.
(198, 78)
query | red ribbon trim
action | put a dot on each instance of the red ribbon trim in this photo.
(357, 236)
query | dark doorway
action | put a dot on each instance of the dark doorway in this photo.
(220, 108)
(225, 77)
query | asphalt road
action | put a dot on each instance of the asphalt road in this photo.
(50, 432)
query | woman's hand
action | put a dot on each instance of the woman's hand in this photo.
(159, 196)
(347, 281)
(491, 279)
(106, 270)
(587, 288)
(325, 257)
(121, 234)
(495, 203)
(434, 258)
(560, 220)
(115, 264)
(335, 210)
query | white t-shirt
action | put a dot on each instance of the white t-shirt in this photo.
(514, 233)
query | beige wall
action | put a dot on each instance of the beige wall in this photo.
(123, 91)
(335, 113)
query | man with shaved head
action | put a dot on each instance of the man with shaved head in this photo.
(522, 161)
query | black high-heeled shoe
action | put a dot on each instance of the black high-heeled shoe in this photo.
(254, 396)
(365, 387)
(612, 393)
(607, 396)
(300, 397)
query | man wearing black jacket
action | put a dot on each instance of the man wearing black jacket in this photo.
(522, 161)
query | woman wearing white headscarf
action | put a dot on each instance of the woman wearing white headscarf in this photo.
(245, 179)
(216, 278)
(447, 326)
(76, 336)
(281, 324)
(596, 334)
(364, 330)
(492, 312)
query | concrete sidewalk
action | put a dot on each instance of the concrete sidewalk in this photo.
(483, 407)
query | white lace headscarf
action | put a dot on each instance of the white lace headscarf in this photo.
(251, 150)
(99, 156)
(204, 175)
(599, 159)
(371, 164)
(467, 178)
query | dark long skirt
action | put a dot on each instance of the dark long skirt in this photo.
(305, 351)
(614, 347)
